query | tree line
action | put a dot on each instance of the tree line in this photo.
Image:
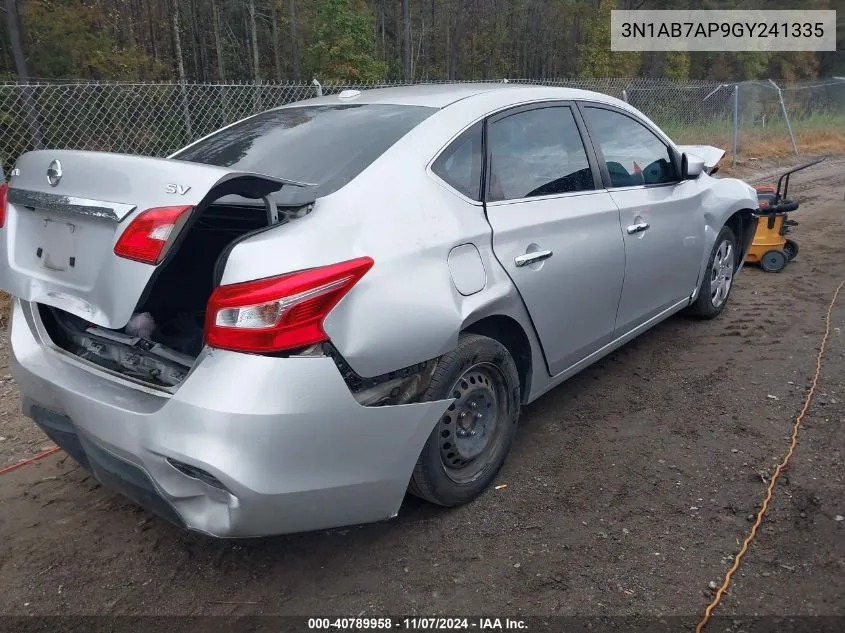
(365, 40)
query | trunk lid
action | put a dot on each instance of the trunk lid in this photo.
(67, 209)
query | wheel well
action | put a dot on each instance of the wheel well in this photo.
(741, 223)
(509, 333)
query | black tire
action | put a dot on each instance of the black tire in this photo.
(704, 306)
(791, 249)
(773, 261)
(486, 364)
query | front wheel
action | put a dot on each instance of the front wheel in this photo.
(718, 277)
(471, 440)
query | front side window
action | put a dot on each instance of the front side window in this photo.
(536, 153)
(460, 163)
(632, 152)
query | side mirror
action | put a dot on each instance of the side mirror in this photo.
(691, 166)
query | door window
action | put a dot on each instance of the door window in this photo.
(536, 153)
(632, 153)
(460, 163)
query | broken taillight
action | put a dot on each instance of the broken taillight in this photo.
(279, 313)
(4, 199)
(146, 237)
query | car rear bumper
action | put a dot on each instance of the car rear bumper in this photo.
(247, 446)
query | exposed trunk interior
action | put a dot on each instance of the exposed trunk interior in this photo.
(165, 335)
(177, 297)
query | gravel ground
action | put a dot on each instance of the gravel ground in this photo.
(629, 489)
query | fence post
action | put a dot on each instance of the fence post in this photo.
(36, 139)
(186, 112)
(625, 95)
(224, 104)
(736, 125)
(785, 117)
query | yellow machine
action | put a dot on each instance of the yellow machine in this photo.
(771, 248)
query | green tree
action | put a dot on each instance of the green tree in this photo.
(793, 65)
(676, 65)
(67, 39)
(751, 64)
(342, 48)
(597, 59)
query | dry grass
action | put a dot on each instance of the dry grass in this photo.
(822, 134)
(5, 308)
(809, 142)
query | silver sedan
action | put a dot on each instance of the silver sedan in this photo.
(293, 321)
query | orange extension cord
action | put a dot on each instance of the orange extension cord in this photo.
(776, 475)
(24, 462)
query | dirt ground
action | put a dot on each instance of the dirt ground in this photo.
(629, 489)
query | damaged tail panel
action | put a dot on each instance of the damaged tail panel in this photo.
(85, 232)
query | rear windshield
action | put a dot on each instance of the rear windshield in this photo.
(325, 145)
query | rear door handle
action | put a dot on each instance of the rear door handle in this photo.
(531, 258)
(639, 227)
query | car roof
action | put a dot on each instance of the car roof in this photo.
(440, 95)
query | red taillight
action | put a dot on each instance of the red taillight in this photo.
(144, 240)
(279, 313)
(4, 198)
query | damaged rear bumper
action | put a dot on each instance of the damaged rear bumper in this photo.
(247, 446)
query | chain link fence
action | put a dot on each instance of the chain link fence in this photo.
(158, 118)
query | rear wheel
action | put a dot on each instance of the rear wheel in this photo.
(791, 249)
(773, 261)
(718, 277)
(471, 440)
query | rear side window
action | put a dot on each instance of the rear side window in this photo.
(536, 153)
(460, 163)
(634, 154)
(324, 145)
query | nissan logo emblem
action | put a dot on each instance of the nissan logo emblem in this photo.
(54, 173)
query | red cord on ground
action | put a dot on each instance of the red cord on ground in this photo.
(24, 462)
(776, 475)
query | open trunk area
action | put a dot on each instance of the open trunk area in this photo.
(165, 334)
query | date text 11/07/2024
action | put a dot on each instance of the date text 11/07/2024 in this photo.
(417, 624)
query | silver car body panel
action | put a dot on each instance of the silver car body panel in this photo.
(467, 269)
(582, 232)
(671, 213)
(709, 154)
(365, 218)
(291, 445)
(300, 458)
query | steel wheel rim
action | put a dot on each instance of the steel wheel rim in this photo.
(473, 427)
(721, 273)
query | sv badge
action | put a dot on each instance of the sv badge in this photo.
(178, 189)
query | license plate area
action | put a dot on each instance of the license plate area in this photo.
(56, 246)
(61, 248)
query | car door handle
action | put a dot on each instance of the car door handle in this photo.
(639, 227)
(531, 258)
